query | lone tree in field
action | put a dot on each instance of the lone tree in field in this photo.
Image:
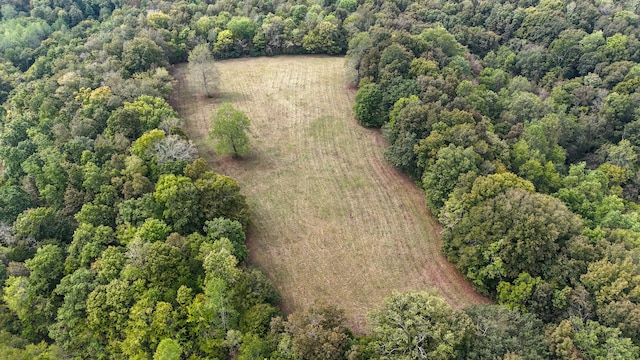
(201, 61)
(229, 126)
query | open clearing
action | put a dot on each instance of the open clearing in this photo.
(332, 220)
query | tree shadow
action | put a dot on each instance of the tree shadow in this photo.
(228, 96)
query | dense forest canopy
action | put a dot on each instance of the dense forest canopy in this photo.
(519, 120)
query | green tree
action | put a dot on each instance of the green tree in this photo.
(368, 106)
(253, 288)
(349, 5)
(88, 243)
(42, 223)
(254, 347)
(614, 283)
(224, 228)
(140, 54)
(514, 232)
(439, 37)
(483, 188)
(219, 196)
(123, 122)
(108, 309)
(524, 107)
(256, 319)
(441, 178)
(187, 205)
(143, 146)
(515, 295)
(109, 265)
(137, 210)
(543, 23)
(201, 60)
(223, 44)
(498, 331)
(418, 325)
(180, 200)
(149, 322)
(13, 201)
(150, 111)
(229, 126)
(211, 315)
(168, 349)
(326, 37)
(318, 332)
(242, 28)
(564, 51)
(395, 59)
(583, 190)
(218, 261)
(164, 268)
(153, 230)
(545, 177)
(30, 298)
(96, 214)
(70, 329)
(577, 339)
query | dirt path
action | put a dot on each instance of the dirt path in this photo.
(332, 220)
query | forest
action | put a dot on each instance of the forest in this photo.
(518, 119)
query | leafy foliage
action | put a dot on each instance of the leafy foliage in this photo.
(498, 331)
(368, 106)
(514, 101)
(517, 119)
(317, 333)
(229, 126)
(418, 325)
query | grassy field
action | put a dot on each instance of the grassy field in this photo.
(332, 220)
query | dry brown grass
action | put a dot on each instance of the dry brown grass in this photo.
(332, 220)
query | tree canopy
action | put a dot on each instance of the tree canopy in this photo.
(517, 119)
(229, 127)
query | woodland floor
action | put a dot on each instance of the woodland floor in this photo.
(331, 219)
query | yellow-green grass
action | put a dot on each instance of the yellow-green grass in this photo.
(331, 219)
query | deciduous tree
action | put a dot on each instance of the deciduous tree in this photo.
(368, 106)
(441, 178)
(418, 325)
(201, 60)
(497, 331)
(229, 126)
(514, 232)
(140, 54)
(577, 339)
(318, 332)
(168, 349)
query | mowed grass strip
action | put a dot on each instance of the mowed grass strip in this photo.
(332, 220)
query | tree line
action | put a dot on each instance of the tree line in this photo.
(517, 119)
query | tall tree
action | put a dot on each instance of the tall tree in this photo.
(514, 232)
(70, 329)
(200, 58)
(418, 325)
(318, 332)
(498, 331)
(441, 178)
(229, 126)
(367, 108)
(168, 349)
(575, 339)
(140, 54)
